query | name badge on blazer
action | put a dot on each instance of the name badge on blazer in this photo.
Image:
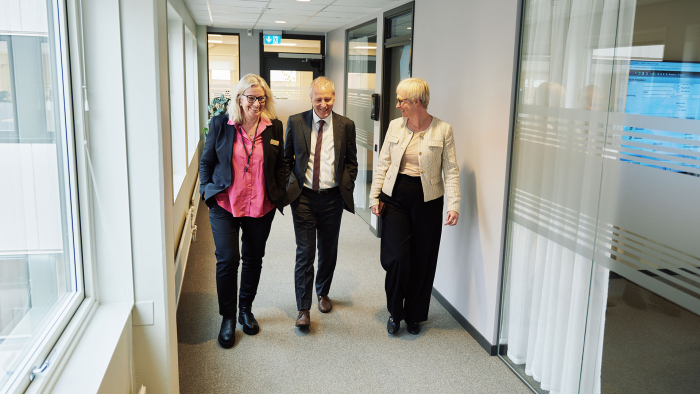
(275, 142)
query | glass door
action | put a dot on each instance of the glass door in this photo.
(398, 34)
(361, 76)
(602, 280)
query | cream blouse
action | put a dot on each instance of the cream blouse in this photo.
(409, 162)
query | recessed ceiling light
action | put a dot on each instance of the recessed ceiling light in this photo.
(280, 21)
(215, 41)
(365, 47)
(408, 28)
(303, 0)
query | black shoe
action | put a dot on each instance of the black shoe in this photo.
(413, 328)
(227, 335)
(247, 320)
(393, 326)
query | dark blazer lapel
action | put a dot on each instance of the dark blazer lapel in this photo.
(338, 138)
(230, 135)
(307, 127)
(266, 137)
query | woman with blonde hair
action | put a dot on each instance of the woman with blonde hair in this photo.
(242, 174)
(407, 191)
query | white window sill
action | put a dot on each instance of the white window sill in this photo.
(83, 369)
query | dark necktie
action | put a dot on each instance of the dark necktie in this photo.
(317, 157)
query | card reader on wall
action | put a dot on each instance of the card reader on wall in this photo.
(375, 107)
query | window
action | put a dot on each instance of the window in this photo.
(178, 114)
(40, 267)
(184, 96)
(192, 94)
(224, 66)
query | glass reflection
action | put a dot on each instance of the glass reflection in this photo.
(361, 77)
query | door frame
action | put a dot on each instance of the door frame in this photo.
(386, 65)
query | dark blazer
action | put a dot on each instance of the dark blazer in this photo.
(296, 154)
(215, 163)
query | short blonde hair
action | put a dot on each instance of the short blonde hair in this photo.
(414, 89)
(248, 81)
(321, 83)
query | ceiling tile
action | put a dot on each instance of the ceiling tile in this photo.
(217, 8)
(344, 15)
(298, 6)
(315, 16)
(351, 9)
(239, 3)
(323, 2)
(282, 11)
(365, 3)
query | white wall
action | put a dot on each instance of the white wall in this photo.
(468, 60)
(471, 81)
(129, 123)
(117, 377)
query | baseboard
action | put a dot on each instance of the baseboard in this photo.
(490, 349)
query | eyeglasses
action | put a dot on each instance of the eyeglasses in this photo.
(401, 101)
(251, 98)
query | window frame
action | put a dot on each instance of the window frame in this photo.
(61, 337)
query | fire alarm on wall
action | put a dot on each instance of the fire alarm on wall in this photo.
(250, 32)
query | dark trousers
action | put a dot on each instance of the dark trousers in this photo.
(225, 229)
(411, 231)
(315, 216)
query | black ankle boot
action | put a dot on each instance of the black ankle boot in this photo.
(393, 326)
(227, 334)
(247, 320)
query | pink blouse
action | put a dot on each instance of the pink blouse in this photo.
(247, 194)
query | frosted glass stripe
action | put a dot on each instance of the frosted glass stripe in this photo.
(685, 126)
(631, 249)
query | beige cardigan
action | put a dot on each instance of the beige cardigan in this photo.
(437, 154)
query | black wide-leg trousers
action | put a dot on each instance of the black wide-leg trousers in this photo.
(411, 231)
(225, 229)
(316, 216)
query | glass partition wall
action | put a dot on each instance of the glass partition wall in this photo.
(361, 77)
(601, 281)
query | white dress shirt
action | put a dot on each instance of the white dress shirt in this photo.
(326, 179)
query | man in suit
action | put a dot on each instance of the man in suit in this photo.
(321, 158)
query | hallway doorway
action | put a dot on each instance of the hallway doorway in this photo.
(289, 67)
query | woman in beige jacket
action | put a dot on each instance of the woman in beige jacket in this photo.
(407, 191)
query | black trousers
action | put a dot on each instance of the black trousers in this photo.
(316, 216)
(411, 231)
(225, 228)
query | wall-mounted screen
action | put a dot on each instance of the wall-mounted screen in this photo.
(668, 90)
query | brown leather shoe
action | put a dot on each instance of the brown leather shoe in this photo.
(324, 304)
(304, 318)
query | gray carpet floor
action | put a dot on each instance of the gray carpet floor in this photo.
(345, 351)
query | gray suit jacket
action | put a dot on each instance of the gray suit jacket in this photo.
(296, 153)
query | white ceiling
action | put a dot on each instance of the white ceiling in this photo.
(303, 16)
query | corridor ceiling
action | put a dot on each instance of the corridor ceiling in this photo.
(318, 16)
